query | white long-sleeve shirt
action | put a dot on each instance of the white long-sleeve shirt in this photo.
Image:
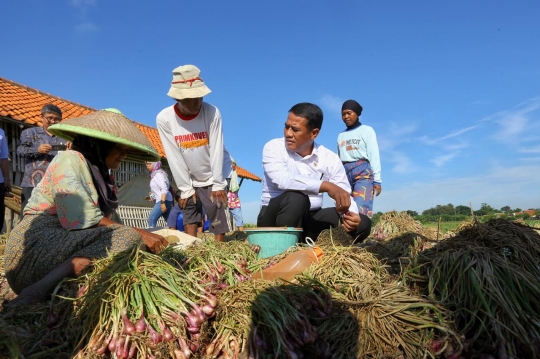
(358, 143)
(194, 148)
(159, 185)
(227, 163)
(287, 170)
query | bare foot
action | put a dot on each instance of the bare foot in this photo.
(28, 296)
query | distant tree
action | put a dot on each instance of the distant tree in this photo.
(376, 217)
(506, 209)
(439, 210)
(412, 213)
(485, 210)
(517, 210)
(537, 211)
(463, 210)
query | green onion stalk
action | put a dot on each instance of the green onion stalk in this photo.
(137, 304)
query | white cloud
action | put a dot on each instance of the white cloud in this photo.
(456, 133)
(402, 164)
(529, 159)
(456, 146)
(530, 105)
(535, 149)
(396, 134)
(332, 103)
(523, 108)
(87, 27)
(83, 6)
(510, 128)
(517, 189)
(83, 3)
(441, 160)
(480, 102)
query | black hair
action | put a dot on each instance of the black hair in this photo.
(312, 113)
(177, 194)
(51, 108)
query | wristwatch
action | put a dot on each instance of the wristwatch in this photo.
(162, 202)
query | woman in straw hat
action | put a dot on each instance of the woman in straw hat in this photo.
(68, 220)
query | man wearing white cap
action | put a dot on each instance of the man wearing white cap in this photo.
(192, 137)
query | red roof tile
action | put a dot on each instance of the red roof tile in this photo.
(23, 103)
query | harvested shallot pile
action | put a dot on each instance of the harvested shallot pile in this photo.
(488, 276)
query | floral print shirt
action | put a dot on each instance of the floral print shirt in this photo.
(233, 199)
(68, 192)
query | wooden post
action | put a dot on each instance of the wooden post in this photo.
(438, 227)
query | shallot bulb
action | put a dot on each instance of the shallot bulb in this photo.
(166, 332)
(211, 299)
(129, 327)
(112, 343)
(154, 336)
(185, 348)
(140, 326)
(132, 351)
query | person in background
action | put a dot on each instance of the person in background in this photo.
(35, 146)
(5, 174)
(192, 137)
(359, 153)
(68, 220)
(234, 201)
(298, 171)
(159, 193)
(173, 222)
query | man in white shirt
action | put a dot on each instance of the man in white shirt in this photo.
(297, 171)
(192, 137)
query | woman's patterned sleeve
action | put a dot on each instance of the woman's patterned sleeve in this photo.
(74, 193)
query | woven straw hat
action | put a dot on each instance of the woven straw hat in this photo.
(110, 125)
(186, 83)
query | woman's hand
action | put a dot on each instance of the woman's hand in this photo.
(377, 189)
(154, 242)
(163, 208)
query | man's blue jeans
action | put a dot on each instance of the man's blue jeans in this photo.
(156, 213)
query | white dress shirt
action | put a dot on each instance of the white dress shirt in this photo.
(287, 170)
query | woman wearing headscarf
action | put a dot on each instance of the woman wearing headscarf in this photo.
(68, 219)
(159, 193)
(359, 153)
(235, 208)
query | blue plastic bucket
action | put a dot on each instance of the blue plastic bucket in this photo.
(273, 240)
(180, 223)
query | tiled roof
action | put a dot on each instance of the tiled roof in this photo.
(246, 174)
(23, 103)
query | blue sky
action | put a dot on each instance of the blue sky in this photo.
(452, 88)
